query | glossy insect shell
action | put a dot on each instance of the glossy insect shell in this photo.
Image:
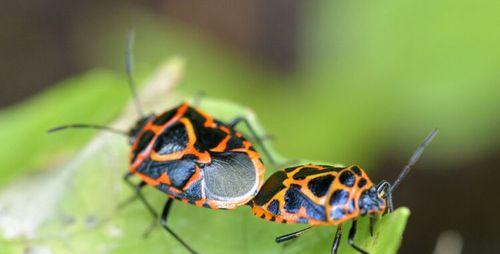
(192, 157)
(317, 195)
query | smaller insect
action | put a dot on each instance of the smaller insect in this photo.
(327, 195)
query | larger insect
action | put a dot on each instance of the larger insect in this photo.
(327, 195)
(187, 154)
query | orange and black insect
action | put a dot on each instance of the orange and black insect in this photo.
(190, 156)
(327, 195)
(194, 158)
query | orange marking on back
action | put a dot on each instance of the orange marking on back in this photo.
(195, 177)
(166, 157)
(225, 129)
(198, 203)
(165, 179)
(204, 157)
(212, 204)
(209, 121)
(181, 110)
(174, 190)
(148, 180)
(221, 147)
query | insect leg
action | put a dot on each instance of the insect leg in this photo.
(386, 187)
(336, 240)
(238, 120)
(352, 233)
(291, 236)
(373, 220)
(163, 222)
(137, 188)
(129, 200)
(138, 194)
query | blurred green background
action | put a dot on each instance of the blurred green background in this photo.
(340, 81)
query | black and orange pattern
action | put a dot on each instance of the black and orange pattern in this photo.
(317, 195)
(181, 150)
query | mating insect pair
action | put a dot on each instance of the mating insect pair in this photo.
(197, 159)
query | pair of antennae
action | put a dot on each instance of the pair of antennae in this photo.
(413, 159)
(129, 68)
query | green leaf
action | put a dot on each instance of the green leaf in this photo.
(72, 206)
(25, 144)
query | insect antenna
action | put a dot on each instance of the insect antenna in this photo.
(129, 67)
(413, 159)
(88, 126)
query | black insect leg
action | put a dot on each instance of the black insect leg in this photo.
(138, 194)
(291, 236)
(373, 220)
(336, 240)
(386, 187)
(163, 222)
(352, 234)
(238, 120)
(134, 187)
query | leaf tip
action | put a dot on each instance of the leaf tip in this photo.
(403, 211)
